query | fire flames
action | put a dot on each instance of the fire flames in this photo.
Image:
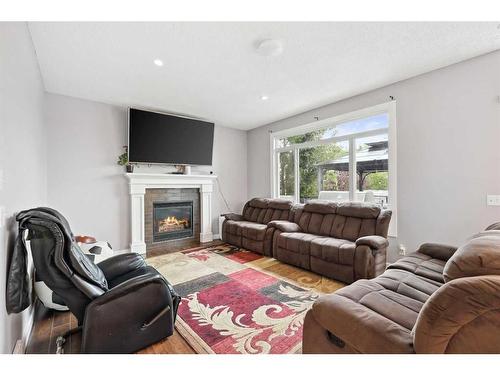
(172, 223)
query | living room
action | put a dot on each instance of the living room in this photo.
(180, 187)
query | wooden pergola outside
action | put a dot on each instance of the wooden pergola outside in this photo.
(372, 160)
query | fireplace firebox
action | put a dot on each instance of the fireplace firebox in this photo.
(172, 220)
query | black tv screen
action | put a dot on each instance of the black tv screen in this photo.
(161, 138)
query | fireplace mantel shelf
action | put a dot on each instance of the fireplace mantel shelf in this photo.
(139, 182)
(166, 175)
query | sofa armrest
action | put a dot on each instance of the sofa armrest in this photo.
(284, 226)
(232, 216)
(133, 314)
(438, 251)
(460, 317)
(121, 264)
(374, 242)
(370, 256)
(494, 226)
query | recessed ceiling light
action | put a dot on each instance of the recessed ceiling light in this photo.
(264, 97)
(158, 62)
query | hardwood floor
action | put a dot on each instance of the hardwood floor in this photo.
(50, 324)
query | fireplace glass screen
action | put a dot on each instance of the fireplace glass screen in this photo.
(172, 220)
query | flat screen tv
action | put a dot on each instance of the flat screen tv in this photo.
(157, 138)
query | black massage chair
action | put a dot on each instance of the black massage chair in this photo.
(122, 304)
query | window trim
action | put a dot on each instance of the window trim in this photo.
(388, 107)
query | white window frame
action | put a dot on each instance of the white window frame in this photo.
(389, 108)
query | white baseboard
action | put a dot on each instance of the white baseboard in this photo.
(217, 237)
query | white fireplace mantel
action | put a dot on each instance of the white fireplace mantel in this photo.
(139, 182)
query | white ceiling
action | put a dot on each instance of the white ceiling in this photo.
(212, 71)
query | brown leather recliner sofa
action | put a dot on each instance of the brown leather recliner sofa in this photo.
(437, 300)
(345, 241)
(250, 230)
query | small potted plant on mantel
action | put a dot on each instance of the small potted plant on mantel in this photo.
(123, 160)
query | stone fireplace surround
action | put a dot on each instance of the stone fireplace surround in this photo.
(140, 182)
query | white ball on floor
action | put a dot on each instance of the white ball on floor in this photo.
(47, 297)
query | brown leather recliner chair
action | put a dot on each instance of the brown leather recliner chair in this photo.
(345, 241)
(121, 304)
(250, 230)
(436, 300)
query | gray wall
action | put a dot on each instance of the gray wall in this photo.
(85, 184)
(22, 153)
(448, 124)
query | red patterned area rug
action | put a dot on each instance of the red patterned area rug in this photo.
(237, 301)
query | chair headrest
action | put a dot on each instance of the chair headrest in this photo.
(320, 207)
(279, 204)
(258, 202)
(359, 209)
(479, 256)
(353, 209)
(67, 256)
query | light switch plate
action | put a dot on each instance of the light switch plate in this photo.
(493, 200)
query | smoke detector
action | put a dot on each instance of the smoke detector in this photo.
(269, 47)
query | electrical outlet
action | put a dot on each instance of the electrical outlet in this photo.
(493, 200)
(402, 250)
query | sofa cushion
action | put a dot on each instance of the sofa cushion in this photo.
(247, 229)
(368, 317)
(280, 204)
(253, 231)
(408, 284)
(320, 207)
(263, 210)
(234, 227)
(347, 220)
(397, 295)
(479, 256)
(296, 242)
(258, 202)
(276, 214)
(358, 209)
(333, 250)
(421, 265)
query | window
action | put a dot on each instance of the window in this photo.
(286, 174)
(345, 158)
(316, 178)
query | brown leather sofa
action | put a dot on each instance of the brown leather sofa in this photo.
(344, 241)
(250, 230)
(436, 300)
